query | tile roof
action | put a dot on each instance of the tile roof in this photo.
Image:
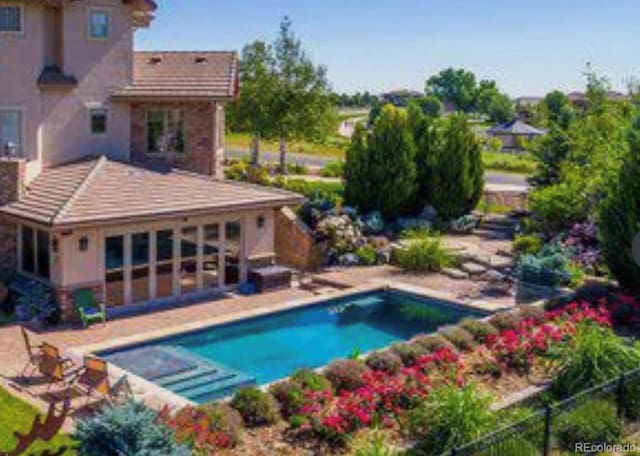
(183, 75)
(102, 191)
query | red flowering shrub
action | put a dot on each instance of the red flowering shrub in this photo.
(505, 320)
(533, 313)
(385, 361)
(205, 429)
(346, 374)
(292, 394)
(460, 337)
(409, 352)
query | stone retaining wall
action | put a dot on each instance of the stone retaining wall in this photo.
(12, 183)
(295, 244)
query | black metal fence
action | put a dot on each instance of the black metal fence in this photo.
(536, 434)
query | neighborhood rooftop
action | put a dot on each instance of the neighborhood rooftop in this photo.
(182, 75)
(99, 190)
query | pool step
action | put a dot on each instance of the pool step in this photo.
(209, 392)
(209, 381)
(211, 374)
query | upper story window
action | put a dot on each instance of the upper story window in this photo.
(11, 19)
(98, 24)
(98, 121)
(11, 137)
(165, 131)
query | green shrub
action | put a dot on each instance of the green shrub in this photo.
(501, 161)
(595, 422)
(290, 396)
(560, 206)
(594, 355)
(422, 255)
(505, 320)
(297, 168)
(526, 244)
(385, 361)
(450, 416)
(620, 217)
(459, 337)
(311, 380)
(346, 374)
(366, 255)
(408, 352)
(225, 419)
(371, 445)
(131, 428)
(333, 169)
(479, 329)
(256, 407)
(432, 343)
(237, 171)
(549, 267)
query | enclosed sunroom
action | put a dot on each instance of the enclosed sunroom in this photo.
(140, 235)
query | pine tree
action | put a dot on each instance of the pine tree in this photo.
(620, 216)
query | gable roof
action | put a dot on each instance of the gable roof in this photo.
(183, 75)
(515, 127)
(102, 191)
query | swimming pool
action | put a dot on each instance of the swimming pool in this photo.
(212, 363)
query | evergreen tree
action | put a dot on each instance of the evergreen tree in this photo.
(380, 170)
(620, 216)
(455, 179)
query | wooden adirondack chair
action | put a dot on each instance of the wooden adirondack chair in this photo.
(90, 311)
(33, 352)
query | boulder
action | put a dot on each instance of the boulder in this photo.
(473, 268)
(456, 274)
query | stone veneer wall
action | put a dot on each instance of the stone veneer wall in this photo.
(295, 245)
(200, 137)
(12, 183)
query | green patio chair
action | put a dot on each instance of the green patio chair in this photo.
(90, 311)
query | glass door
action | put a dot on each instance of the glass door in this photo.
(164, 263)
(114, 271)
(188, 259)
(211, 258)
(140, 271)
(232, 252)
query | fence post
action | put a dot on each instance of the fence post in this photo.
(548, 411)
(620, 395)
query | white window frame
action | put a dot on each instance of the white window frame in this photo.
(22, 11)
(90, 13)
(103, 110)
(23, 124)
(165, 123)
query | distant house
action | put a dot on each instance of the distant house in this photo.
(527, 102)
(512, 132)
(400, 97)
(579, 99)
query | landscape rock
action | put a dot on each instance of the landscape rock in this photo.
(455, 273)
(349, 259)
(473, 268)
(429, 213)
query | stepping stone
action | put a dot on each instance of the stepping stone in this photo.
(500, 262)
(455, 274)
(473, 268)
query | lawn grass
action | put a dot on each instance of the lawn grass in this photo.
(16, 415)
(512, 163)
(334, 147)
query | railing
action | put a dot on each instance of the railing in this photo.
(534, 435)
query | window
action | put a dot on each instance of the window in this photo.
(11, 19)
(98, 121)
(164, 263)
(165, 131)
(98, 24)
(11, 132)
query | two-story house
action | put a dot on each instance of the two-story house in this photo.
(111, 168)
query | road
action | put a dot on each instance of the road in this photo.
(493, 179)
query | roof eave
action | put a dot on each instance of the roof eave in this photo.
(126, 97)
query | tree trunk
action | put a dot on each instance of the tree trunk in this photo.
(255, 149)
(283, 155)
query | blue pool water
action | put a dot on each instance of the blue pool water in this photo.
(211, 363)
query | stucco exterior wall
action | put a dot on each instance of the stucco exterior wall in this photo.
(56, 121)
(203, 135)
(11, 187)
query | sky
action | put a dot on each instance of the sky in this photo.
(529, 47)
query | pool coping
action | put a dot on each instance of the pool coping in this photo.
(152, 391)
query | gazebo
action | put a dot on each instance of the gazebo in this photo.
(510, 132)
